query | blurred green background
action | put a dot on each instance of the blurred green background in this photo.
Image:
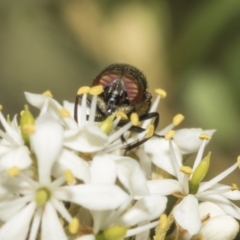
(189, 48)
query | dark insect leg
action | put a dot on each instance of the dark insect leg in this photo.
(139, 129)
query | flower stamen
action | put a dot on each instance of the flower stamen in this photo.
(134, 119)
(47, 93)
(64, 113)
(74, 226)
(69, 177)
(13, 172)
(169, 135)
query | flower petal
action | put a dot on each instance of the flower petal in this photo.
(70, 161)
(51, 227)
(188, 140)
(137, 230)
(18, 157)
(17, 227)
(131, 175)
(46, 143)
(186, 214)
(103, 169)
(87, 237)
(222, 227)
(164, 186)
(227, 206)
(145, 209)
(93, 196)
(157, 150)
(87, 139)
(209, 208)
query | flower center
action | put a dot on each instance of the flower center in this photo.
(42, 196)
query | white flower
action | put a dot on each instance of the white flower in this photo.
(216, 224)
(12, 147)
(141, 213)
(186, 212)
(157, 151)
(41, 200)
(222, 227)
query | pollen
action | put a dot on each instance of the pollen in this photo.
(205, 136)
(47, 93)
(234, 187)
(186, 170)
(69, 177)
(134, 119)
(160, 92)
(169, 134)
(106, 125)
(28, 128)
(74, 226)
(13, 172)
(83, 90)
(178, 119)
(1, 107)
(121, 115)
(22, 112)
(64, 113)
(96, 90)
(163, 221)
(150, 129)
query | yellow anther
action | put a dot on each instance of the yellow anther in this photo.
(1, 107)
(64, 113)
(69, 177)
(169, 134)
(186, 170)
(22, 112)
(160, 92)
(47, 93)
(28, 128)
(178, 195)
(83, 90)
(121, 115)
(238, 160)
(234, 187)
(8, 118)
(163, 221)
(74, 226)
(150, 129)
(205, 136)
(13, 172)
(106, 125)
(178, 119)
(134, 119)
(96, 90)
(114, 233)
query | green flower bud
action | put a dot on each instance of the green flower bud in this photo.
(112, 233)
(199, 173)
(26, 124)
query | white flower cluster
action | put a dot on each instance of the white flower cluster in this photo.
(60, 179)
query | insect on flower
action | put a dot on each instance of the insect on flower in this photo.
(125, 90)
